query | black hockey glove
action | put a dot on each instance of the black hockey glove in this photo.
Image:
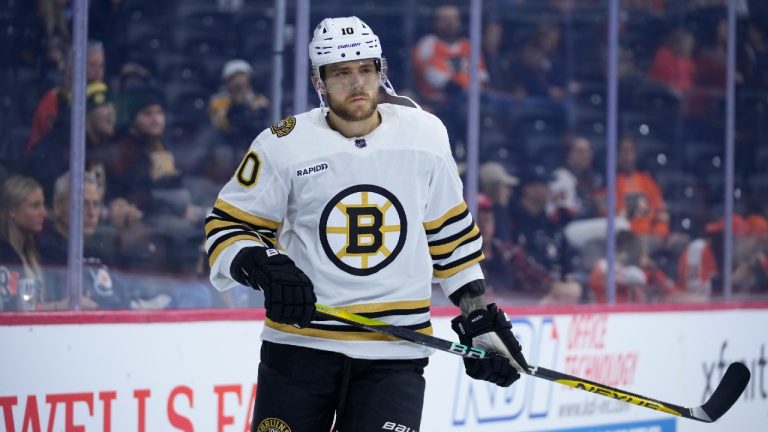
(490, 330)
(289, 296)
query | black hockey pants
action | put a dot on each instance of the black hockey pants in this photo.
(303, 389)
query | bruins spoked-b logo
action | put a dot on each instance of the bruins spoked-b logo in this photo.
(362, 229)
(272, 425)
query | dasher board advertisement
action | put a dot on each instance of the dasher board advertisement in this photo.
(198, 373)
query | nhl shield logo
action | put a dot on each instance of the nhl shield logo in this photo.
(362, 229)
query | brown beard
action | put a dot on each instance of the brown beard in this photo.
(350, 114)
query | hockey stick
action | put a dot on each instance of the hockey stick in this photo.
(726, 393)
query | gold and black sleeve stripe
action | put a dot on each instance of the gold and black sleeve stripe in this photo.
(444, 248)
(219, 221)
(453, 215)
(443, 271)
(454, 241)
(227, 224)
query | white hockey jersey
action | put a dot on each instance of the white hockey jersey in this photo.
(372, 221)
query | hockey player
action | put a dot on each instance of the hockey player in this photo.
(357, 205)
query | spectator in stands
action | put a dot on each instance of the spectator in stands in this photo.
(53, 108)
(699, 267)
(142, 170)
(95, 61)
(509, 271)
(100, 289)
(574, 188)
(56, 18)
(55, 60)
(497, 276)
(496, 183)
(710, 74)
(49, 159)
(638, 278)
(673, 63)
(638, 196)
(22, 214)
(537, 71)
(753, 55)
(541, 239)
(711, 60)
(441, 59)
(630, 278)
(140, 161)
(237, 111)
(136, 73)
(497, 61)
(751, 273)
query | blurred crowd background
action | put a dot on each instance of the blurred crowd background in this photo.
(177, 90)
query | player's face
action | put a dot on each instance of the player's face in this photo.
(30, 214)
(95, 65)
(627, 157)
(352, 89)
(102, 120)
(91, 209)
(580, 156)
(150, 121)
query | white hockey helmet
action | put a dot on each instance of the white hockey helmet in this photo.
(337, 40)
(343, 39)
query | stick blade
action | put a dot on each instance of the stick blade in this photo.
(728, 391)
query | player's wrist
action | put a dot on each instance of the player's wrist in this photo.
(468, 296)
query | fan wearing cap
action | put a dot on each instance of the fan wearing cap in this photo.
(49, 158)
(506, 266)
(53, 110)
(356, 204)
(513, 266)
(531, 227)
(237, 110)
(496, 183)
(142, 170)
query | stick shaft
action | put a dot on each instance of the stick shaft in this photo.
(470, 352)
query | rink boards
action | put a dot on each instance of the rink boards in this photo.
(197, 370)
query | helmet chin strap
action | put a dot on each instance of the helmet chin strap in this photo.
(384, 81)
(319, 86)
(323, 104)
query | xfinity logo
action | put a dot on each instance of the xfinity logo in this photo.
(351, 45)
(314, 169)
